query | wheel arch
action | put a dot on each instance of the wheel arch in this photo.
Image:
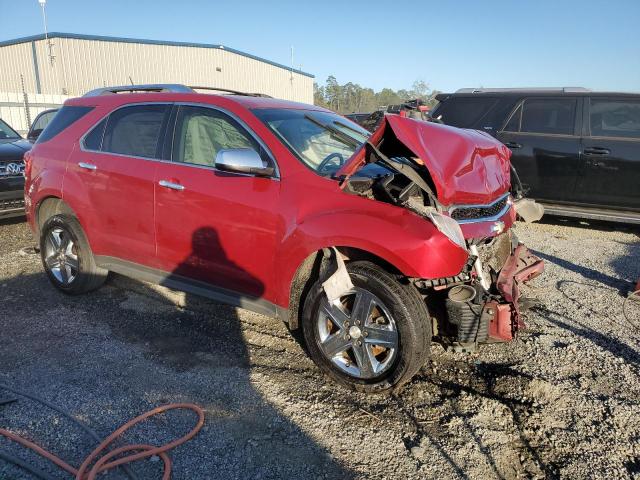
(48, 207)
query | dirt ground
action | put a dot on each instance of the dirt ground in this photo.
(561, 401)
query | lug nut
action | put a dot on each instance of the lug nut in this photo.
(347, 337)
(366, 334)
(359, 343)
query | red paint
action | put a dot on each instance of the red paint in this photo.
(251, 234)
(467, 166)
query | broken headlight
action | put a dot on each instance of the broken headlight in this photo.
(449, 227)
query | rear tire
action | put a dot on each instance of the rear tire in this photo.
(372, 349)
(67, 257)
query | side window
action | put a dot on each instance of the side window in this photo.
(93, 141)
(201, 132)
(549, 115)
(514, 122)
(465, 112)
(615, 118)
(134, 130)
(43, 120)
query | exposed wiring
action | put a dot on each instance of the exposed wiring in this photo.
(101, 459)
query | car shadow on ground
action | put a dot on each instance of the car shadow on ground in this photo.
(192, 352)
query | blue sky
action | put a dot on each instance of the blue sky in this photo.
(449, 44)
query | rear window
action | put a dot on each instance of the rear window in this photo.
(615, 118)
(66, 116)
(464, 112)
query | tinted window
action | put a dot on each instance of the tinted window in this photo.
(63, 118)
(6, 131)
(93, 141)
(201, 132)
(615, 118)
(514, 121)
(464, 112)
(549, 115)
(43, 120)
(134, 130)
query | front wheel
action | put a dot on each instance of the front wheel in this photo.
(375, 338)
(67, 257)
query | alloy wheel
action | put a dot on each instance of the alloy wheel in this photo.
(357, 334)
(61, 256)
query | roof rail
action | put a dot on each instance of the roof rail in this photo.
(169, 87)
(165, 88)
(234, 92)
(537, 89)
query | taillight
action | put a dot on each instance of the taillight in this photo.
(27, 164)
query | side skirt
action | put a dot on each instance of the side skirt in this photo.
(195, 287)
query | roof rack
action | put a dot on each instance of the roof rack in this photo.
(165, 88)
(538, 89)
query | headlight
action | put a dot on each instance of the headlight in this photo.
(449, 227)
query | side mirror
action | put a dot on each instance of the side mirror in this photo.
(242, 160)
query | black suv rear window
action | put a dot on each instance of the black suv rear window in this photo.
(464, 112)
(65, 117)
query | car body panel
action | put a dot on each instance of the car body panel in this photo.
(466, 166)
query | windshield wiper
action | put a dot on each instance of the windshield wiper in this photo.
(336, 132)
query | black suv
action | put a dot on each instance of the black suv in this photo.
(575, 150)
(12, 149)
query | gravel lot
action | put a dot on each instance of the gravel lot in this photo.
(561, 401)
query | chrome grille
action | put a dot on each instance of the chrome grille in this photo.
(480, 212)
(11, 204)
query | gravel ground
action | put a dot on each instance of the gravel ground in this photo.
(561, 401)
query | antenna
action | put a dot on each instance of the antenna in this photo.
(46, 33)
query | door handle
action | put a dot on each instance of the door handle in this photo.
(596, 151)
(87, 166)
(513, 145)
(604, 166)
(171, 185)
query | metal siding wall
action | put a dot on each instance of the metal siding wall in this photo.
(82, 65)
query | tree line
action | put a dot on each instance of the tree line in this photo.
(353, 98)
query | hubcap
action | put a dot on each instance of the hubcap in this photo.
(358, 334)
(61, 256)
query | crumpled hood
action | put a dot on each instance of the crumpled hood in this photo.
(466, 166)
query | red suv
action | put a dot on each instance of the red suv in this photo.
(373, 244)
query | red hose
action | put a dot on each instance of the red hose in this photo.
(104, 460)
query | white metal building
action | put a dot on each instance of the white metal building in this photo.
(74, 64)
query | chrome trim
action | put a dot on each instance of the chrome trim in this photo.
(171, 185)
(88, 166)
(244, 125)
(493, 218)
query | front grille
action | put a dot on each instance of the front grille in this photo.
(11, 168)
(478, 212)
(11, 204)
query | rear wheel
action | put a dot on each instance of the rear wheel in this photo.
(375, 338)
(67, 257)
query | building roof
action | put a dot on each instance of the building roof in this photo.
(100, 38)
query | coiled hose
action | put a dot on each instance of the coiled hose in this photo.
(101, 459)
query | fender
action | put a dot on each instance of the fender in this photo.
(410, 243)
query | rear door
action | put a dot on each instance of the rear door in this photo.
(543, 134)
(611, 152)
(215, 227)
(116, 168)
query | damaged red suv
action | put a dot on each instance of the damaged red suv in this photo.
(372, 244)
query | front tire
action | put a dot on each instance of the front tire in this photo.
(67, 257)
(378, 336)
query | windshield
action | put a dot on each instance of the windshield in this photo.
(7, 132)
(321, 140)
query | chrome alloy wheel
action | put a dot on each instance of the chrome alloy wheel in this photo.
(61, 256)
(358, 335)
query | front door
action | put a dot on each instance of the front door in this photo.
(212, 227)
(611, 152)
(116, 167)
(542, 134)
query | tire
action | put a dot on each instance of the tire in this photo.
(334, 348)
(69, 262)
